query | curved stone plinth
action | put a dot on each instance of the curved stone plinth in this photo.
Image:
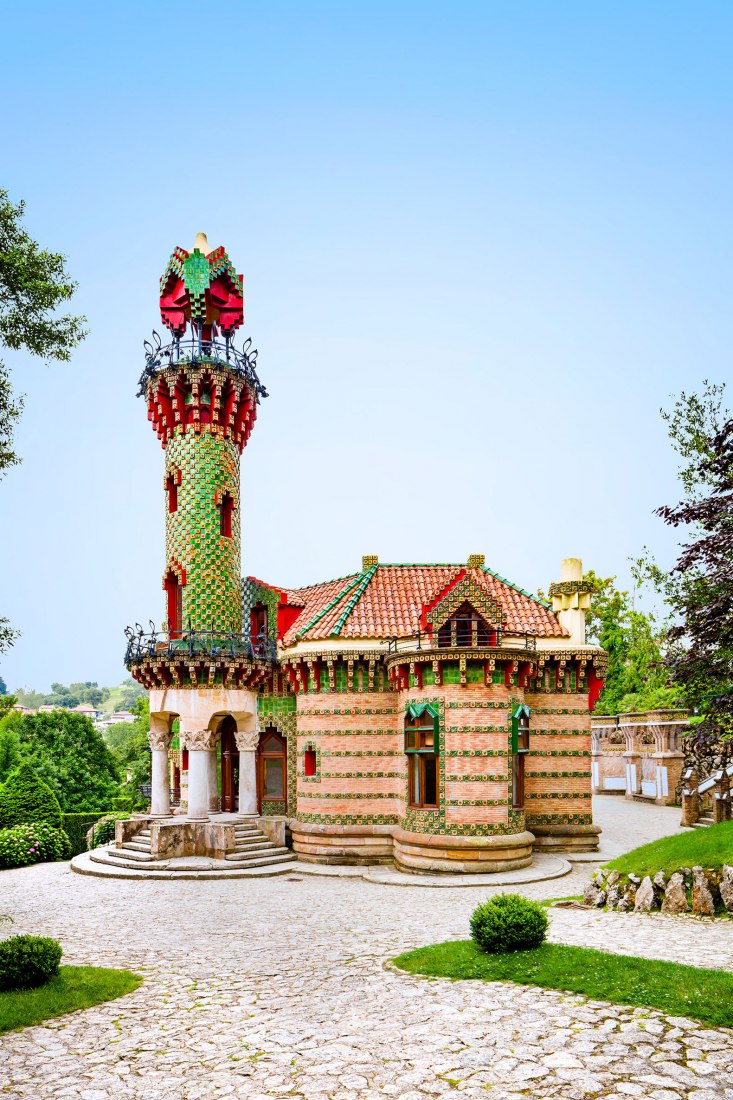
(473, 855)
(566, 838)
(342, 844)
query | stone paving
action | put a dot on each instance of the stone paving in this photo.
(276, 988)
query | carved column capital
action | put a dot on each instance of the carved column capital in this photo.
(246, 741)
(197, 740)
(159, 739)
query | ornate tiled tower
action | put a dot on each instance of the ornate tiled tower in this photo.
(202, 396)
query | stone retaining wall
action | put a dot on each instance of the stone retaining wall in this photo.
(691, 889)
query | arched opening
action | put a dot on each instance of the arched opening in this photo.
(272, 772)
(174, 604)
(229, 765)
(466, 628)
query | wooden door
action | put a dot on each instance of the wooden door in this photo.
(229, 766)
(272, 774)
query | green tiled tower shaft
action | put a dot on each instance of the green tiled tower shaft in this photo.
(204, 468)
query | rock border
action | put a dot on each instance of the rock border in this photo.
(706, 892)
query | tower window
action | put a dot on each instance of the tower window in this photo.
(171, 487)
(226, 509)
(174, 603)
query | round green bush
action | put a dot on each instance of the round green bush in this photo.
(24, 797)
(28, 961)
(35, 843)
(508, 922)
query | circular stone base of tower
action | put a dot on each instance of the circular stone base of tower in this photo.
(472, 855)
(342, 844)
(566, 838)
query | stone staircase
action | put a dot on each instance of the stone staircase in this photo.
(703, 821)
(252, 850)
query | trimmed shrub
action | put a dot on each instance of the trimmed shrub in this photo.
(22, 845)
(28, 961)
(103, 831)
(24, 797)
(508, 922)
(77, 826)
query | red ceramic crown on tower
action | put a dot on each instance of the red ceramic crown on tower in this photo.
(202, 287)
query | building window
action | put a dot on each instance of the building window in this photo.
(258, 624)
(520, 748)
(171, 487)
(174, 603)
(272, 767)
(225, 515)
(421, 747)
(466, 628)
(309, 762)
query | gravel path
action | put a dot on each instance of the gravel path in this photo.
(278, 988)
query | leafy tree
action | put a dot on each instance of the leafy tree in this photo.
(26, 799)
(128, 742)
(33, 284)
(10, 748)
(637, 678)
(70, 754)
(131, 692)
(699, 588)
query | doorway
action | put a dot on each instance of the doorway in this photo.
(229, 766)
(272, 771)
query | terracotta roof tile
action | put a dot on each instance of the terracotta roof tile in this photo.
(387, 601)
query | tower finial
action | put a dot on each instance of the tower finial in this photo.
(202, 243)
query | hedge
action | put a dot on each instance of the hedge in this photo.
(76, 827)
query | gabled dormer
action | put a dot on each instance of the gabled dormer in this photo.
(464, 615)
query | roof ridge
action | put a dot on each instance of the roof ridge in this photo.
(353, 600)
(521, 591)
(329, 606)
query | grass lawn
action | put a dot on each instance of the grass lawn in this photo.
(678, 990)
(74, 987)
(710, 847)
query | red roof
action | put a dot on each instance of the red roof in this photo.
(388, 601)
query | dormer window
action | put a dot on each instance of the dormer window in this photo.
(466, 629)
(258, 623)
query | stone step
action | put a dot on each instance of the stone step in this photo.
(245, 829)
(263, 853)
(265, 861)
(136, 845)
(252, 838)
(127, 853)
(244, 850)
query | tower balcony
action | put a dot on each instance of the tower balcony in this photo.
(466, 634)
(197, 351)
(198, 658)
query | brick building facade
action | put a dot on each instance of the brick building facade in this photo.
(435, 715)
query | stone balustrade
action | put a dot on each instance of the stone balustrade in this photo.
(638, 755)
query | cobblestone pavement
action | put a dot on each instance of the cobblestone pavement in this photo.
(278, 988)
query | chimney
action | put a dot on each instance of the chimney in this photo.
(571, 599)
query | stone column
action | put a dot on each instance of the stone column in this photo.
(247, 744)
(159, 738)
(632, 758)
(213, 782)
(200, 744)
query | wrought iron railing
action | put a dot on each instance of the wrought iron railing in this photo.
(192, 643)
(197, 351)
(464, 639)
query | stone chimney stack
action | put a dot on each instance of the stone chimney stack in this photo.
(571, 599)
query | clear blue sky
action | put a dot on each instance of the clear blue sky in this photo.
(482, 244)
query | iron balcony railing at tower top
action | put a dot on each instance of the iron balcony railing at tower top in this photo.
(468, 634)
(199, 352)
(191, 644)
